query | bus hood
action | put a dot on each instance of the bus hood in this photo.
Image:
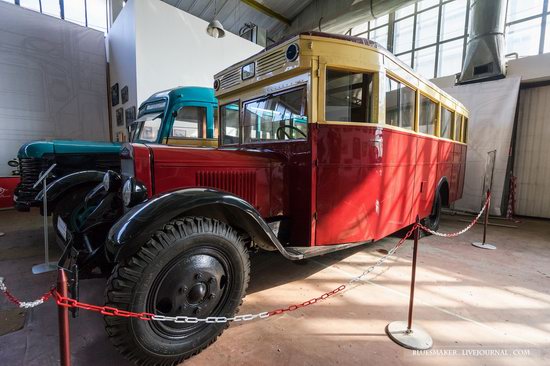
(37, 149)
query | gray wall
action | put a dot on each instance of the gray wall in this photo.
(52, 81)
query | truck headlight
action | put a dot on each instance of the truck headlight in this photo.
(127, 192)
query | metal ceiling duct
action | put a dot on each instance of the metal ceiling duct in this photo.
(485, 51)
(339, 16)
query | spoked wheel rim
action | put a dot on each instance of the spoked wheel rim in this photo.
(195, 284)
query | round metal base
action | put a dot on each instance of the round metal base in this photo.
(484, 245)
(44, 267)
(417, 338)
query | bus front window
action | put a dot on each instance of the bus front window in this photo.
(229, 123)
(278, 117)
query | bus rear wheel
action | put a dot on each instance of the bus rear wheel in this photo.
(433, 220)
(195, 267)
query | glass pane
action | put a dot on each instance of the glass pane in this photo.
(30, 4)
(150, 128)
(424, 62)
(426, 27)
(190, 122)
(51, 7)
(450, 58)
(403, 35)
(348, 96)
(229, 120)
(279, 117)
(446, 120)
(399, 104)
(520, 9)
(361, 28)
(427, 115)
(74, 11)
(524, 37)
(465, 130)
(380, 35)
(97, 14)
(457, 127)
(406, 58)
(379, 21)
(403, 12)
(425, 4)
(453, 19)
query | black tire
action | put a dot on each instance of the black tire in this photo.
(72, 201)
(432, 222)
(191, 247)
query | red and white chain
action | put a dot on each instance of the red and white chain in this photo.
(452, 235)
(23, 304)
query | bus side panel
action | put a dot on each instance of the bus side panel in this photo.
(365, 183)
(425, 175)
(445, 166)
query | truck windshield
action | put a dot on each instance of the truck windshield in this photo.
(146, 127)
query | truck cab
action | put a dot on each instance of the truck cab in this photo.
(180, 116)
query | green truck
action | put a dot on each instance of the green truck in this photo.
(179, 116)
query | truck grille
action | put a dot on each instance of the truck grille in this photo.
(30, 169)
(242, 184)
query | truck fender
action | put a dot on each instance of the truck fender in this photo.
(56, 189)
(137, 226)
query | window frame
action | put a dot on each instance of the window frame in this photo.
(399, 80)
(453, 114)
(202, 129)
(222, 127)
(437, 115)
(265, 97)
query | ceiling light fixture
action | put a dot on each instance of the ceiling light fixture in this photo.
(215, 27)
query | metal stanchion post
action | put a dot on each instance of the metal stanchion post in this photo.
(63, 319)
(403, 333)
(484, 245)
(47, 266)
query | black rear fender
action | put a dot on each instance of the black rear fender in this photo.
(137, 226)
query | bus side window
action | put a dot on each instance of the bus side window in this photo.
(458, 127)
(427, 115)
(400, 100)
(446, 121)
(348, 96)
(190, 122)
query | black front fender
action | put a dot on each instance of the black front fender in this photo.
(57, 188)
(137, 226)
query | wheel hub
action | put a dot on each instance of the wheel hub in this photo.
(197, 293)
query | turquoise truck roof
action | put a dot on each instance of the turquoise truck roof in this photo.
(38, 148)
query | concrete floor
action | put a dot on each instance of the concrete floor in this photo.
(476, 304)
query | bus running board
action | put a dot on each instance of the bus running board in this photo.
(297, 253)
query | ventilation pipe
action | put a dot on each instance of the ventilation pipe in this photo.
(485, 50)
(339, 16)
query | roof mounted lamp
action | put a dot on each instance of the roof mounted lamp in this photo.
(215, 27)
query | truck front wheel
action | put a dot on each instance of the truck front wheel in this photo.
(196, 267)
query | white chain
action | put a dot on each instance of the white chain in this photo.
(451, 235)
(21, 304)
(210, 319)
(379, 262)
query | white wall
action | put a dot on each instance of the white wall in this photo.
(52, 81)
(122, 62)
(172, 49)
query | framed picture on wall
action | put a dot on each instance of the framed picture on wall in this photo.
(124, 94)
(120, 117)
(130, 115)
(114, 95)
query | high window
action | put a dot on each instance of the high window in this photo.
(446, 122)
(400, 100)
(427, 115)
(348, 96)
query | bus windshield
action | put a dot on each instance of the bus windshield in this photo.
(146, 127)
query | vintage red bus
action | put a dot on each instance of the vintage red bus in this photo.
(325, 142)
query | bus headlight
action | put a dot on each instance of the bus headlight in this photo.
(111, 181)
(133, 192)
(127, 192)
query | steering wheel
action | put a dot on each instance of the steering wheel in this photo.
(281, 131)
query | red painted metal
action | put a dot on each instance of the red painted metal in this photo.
(7, 186)
(346, 184)
(63, 320)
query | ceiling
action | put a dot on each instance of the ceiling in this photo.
(234, 13)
